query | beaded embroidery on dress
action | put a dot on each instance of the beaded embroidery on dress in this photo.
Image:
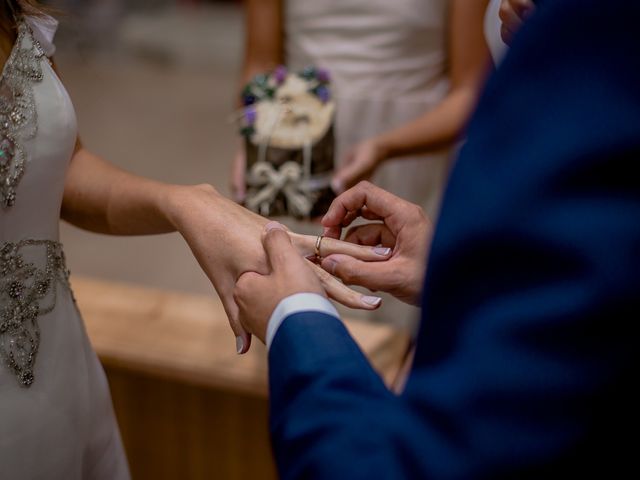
(23, 290)
(18, 115)
(22, 285)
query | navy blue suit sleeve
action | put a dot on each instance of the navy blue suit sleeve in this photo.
(526, 355)
(331, 414)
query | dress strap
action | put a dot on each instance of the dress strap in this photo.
(44, 29)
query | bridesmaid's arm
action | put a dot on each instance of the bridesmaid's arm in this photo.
(264, 50)
(264, 43)
(443, 125)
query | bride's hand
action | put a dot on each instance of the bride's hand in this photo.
(226, 240)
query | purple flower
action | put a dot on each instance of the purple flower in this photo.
(280, 74)
(323, 94)
(323, 75)
(250, 115)
(249, 99)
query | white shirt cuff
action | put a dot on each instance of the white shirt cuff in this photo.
(300, 302)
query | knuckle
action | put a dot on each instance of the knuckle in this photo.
(276, 239)
(394, 281)
(505, 34)
(238, 293)
(504, 10)
(351, 274)
(364, 185)
(417, 212)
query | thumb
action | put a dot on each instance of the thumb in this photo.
(281, 253)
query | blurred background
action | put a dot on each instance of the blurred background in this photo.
(153, 83)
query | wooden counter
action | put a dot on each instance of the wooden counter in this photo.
(188, 406)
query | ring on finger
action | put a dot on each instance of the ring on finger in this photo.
(318, 246)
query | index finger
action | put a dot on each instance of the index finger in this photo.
(376, 202)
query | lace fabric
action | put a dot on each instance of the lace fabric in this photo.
(18, 114)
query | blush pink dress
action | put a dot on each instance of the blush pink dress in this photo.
(388, 61)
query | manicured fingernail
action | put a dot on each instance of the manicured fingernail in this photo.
(239, 345)
(273, 226)
(330, 265)
(382, 251)
(373, 301)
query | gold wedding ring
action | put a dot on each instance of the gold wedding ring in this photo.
(318, 245)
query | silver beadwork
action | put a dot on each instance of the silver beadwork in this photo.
(24, 290)
(18, 114)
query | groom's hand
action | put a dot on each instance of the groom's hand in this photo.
(513, 14)
(226, 240)
(405, 229)
(258, 295)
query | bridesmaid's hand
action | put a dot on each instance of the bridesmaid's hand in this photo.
(225, 238)
(359, 164)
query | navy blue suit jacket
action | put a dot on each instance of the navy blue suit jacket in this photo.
(525, 363)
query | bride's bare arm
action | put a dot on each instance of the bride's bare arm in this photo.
(102, 198)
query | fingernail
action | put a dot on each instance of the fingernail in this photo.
(273, 226)
(239, 345)
(382, 251)
(337, 186)
(330, 265)
(373, 301)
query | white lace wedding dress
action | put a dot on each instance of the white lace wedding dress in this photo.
(56, 417)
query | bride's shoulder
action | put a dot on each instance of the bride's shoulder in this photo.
(44, 29)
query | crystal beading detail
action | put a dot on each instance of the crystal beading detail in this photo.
(27, 292)
(18, 114)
